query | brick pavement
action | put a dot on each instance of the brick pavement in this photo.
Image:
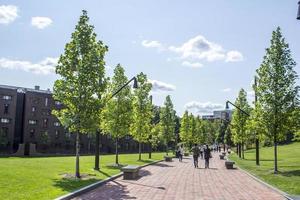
(180, 181)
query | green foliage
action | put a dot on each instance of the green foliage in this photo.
(276, 90)
(82, 79)
(142, 110)
(184, 133)
(117, 113)
(167, 121)
(239, 119)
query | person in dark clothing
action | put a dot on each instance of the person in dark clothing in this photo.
(207, 156)
(195, 150)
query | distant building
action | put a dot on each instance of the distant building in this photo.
(219, 114)
(25, 117)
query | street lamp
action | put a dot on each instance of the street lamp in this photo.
(135, 86)
(298, 15)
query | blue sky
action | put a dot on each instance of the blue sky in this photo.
(200, 52)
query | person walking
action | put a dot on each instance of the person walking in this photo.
(195, 150)
(201, 151)
(180, 153)
(207, 156)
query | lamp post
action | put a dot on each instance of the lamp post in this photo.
(97, 145)
(298, 15)
(256, 136)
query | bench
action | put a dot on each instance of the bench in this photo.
(221, 157)
(130, 172)
(224, 153)
(229, 164)
(168, 158)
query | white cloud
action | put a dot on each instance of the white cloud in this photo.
(153, 44)
(251, 93)
(192, 64)
(234, 56)
(203, 108)
(8, 13)
(199, 48)
(44, 67)
(226, 90)
(159, 86)
(41, 22)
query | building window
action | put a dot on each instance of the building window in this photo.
(46, 101)
(46, 112)
(57, 103)
(6, 106)
(32, 122)
(32, 131)
(33, 109)
(5, 120)
(7, 97)
(4, 131)
(68, 135)
(127, 137)
(56, 134)
(56, 124)
(45, 123)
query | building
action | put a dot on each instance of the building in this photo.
(219, 114)
(26, 118)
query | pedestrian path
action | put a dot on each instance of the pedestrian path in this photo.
(180, 181)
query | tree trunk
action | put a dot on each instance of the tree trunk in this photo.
(275, 154)
(240, 153)
(77, 172)
(257, 150)
(150, 150)
(167, 149)
(97, 151)
(140, 151)
(224, 147)
(243, 155)
(117, 153)
(237, 149)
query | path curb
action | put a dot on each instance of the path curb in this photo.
(96, 184)
(266, 184)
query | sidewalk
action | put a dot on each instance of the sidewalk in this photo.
(181, 181)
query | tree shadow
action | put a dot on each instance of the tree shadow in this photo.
(162, 165)
(253, 159)
(104, 173)
(143, 185)
(70, 184)
(290, 173)
(146, 161)
(144, 172)
(115, 166)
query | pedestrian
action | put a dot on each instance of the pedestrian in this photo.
(180, 153)
(219, 148)
(207, 156)
(195, 151)
(201, 151)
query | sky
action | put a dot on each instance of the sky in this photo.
(200, 52)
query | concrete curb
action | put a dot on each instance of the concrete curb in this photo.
(96, 184)
(266, 184)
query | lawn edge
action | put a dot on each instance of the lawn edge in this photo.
(257, 178)
(96, 184)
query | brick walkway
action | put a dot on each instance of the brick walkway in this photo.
(181, 181)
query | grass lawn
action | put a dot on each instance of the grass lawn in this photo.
(288, 178)
(42, 178)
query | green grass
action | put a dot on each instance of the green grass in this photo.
(288, 178)
(41, 178)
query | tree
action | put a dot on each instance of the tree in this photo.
(117, 113)
(82, 81)
(167, 122)
(184, 133)
(276, 90)
(239, 120)
(142, 112)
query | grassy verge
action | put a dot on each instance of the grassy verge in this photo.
(288, 178)
(43, 178)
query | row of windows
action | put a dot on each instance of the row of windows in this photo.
(45, 134)
(7, 97)
(46, 101)
(5, 120)
(45, 123)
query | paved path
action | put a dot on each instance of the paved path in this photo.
(175, 180)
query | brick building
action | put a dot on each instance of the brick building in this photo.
(25, 117)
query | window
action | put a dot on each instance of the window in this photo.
(6, 106)
(46, 101)
(32, 122)
(7, 97)
(45, 123)
(56, 124)
(4, 131)
(57, 103)
(32, 132)
(56, 134)
(127, 137)
(5, 120)
(46, 112)
(68, 135)
(33, 109)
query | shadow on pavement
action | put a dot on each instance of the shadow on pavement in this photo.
(115, 191)
(143, 185)
(70, 184)
(162, 165)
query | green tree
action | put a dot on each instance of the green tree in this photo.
(184, 133)
(167, 122)
(117, 113)
(142, 112)
(276, 90)
(239, 120)
(81, 70)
